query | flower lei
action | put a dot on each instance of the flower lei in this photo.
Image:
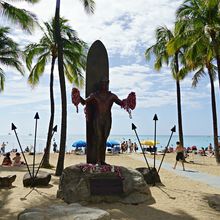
(94, 168)
(76, 98)
(129, 103)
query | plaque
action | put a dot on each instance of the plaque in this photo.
(106, 186)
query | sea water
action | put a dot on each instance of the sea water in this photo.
(28, 140)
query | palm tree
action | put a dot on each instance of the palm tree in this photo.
(212, 75)
(18, 16)
(204, 18)
(199, 55)
(46, 51)
(159, 49)
(89, 7)
(9, 54)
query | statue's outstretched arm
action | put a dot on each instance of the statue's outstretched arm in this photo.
(76, 98)
(90, 98)
(117, 100)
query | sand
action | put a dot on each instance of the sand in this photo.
(179, 198)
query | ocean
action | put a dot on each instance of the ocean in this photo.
(28, 140)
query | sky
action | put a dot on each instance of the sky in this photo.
(127, 29)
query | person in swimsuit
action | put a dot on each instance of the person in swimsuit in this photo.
(179, 155)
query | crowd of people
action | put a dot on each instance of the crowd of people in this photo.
(128, 146)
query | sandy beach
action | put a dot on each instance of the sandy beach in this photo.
(179, 198)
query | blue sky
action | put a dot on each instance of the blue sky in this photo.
(126, 28)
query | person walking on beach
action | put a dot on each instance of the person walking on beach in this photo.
(55, 147)
(179, 155)
(3, 148)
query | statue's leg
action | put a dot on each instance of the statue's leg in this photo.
(106, 132)
(98, 128)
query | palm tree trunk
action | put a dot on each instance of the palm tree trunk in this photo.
(179, 109)
(46, 159)
(60, 162)
(214, 117)
(218, 66)
(217, 55)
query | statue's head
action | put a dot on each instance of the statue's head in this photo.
(104, 84)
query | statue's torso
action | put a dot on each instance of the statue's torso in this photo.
(103, 103)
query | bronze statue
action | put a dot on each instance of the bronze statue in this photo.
(102, 100)
(99, 101)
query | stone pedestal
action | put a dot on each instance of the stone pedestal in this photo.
(7, 181)
(118, 184)
(64, 212)
(42, 179)
(150, 176)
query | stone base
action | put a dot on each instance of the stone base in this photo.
(75, 186)
(64, 212)
(7, 181)
(42, 179)
(150, 176)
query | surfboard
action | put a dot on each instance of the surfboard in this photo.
(97, 68)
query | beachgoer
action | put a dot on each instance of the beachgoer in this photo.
(17, 160)
(3, 147)
(202, 152)
(210, 150)
(7, 160)
(130, 145)
(27, 149)
(123, 147)
(54, 147)
(135, 147)
(179, 155)
(126, 146)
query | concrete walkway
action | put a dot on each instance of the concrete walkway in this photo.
(208, 179)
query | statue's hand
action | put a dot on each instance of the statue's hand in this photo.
(75, 98)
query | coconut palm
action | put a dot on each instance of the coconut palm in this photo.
(89, 8)
(18, 16)
(163, 36)
(9, 54)
(203, 17)
(46, 51)
(199, 56)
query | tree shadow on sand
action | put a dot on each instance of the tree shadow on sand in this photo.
(213, 201)
(4, 199)
(140, 212)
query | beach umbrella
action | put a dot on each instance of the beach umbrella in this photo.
(79, 143)
(112, 143)
(149, 142)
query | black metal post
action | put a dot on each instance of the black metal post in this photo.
(172, 131)
(13, 127)
(134, 128)
(155, 134)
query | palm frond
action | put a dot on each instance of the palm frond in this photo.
(89, 6)
(32, 51)
(38, 70)
(22, 17)
(200, 73)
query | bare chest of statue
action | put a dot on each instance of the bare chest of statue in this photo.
(104, 102)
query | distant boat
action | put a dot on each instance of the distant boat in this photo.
(30, 134)
(9, 133)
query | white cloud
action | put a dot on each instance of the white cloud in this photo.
(123, 25)
(126, 27)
